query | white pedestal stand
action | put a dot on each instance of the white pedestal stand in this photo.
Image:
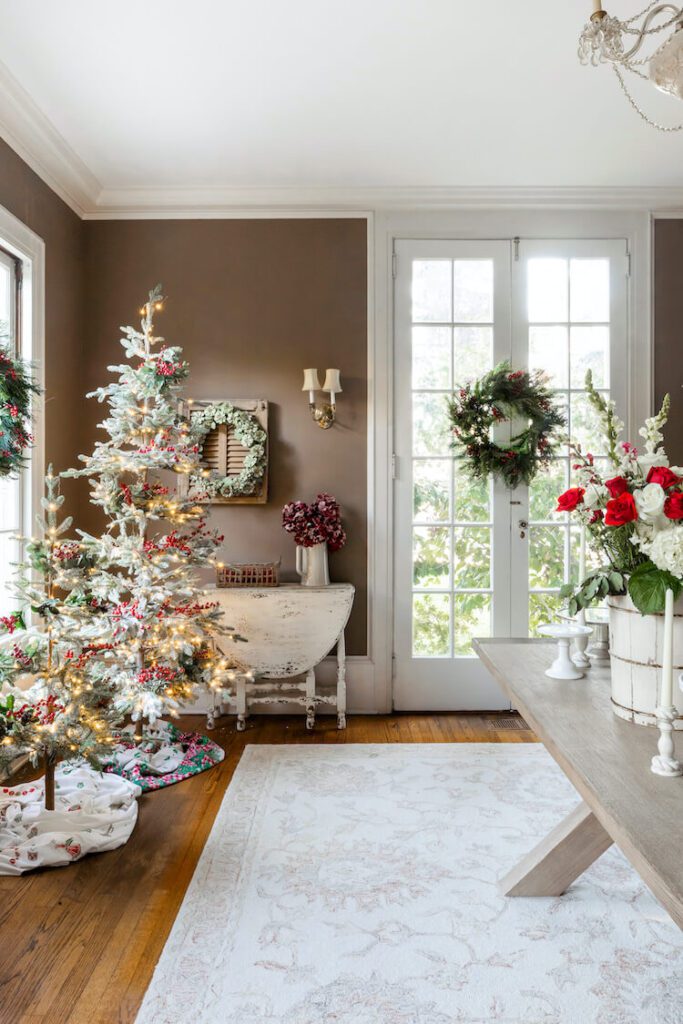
(563, 667)
(580, 658)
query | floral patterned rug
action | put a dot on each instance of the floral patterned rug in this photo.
(356, 884)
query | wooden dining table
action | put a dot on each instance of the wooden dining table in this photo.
(608, 762)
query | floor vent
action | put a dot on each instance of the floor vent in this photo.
(509, 723)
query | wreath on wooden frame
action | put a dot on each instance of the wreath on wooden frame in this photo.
(501, 395)
(248, 432)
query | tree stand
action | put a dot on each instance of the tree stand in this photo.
(50, 764)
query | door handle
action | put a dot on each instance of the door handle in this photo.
(523, 527)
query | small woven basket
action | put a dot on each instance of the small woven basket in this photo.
(249, 574)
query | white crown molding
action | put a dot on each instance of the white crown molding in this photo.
(160, 203)
(35, 139)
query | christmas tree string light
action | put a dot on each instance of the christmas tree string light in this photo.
(144, 567)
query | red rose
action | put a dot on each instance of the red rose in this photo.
(621, 510)
(663, 476)
(597, 517)
(673, 506)
(616, 486)
(568, 501)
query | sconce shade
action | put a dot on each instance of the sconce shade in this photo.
(311, 380)
(332, 382)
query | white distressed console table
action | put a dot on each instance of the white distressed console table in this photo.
(608, 762)
(289, 630)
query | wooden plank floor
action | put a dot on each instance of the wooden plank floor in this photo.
(79, 944)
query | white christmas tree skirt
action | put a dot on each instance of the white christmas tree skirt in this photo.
(93, 813)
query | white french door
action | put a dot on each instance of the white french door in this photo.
(474, 558)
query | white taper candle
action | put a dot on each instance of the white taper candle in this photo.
(666, 697)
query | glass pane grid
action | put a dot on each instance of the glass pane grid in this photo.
(569, 333)
(452, 335)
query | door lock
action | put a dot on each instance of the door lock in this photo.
(523, 527)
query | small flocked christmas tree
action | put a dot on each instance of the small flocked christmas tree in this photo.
(67, 710)
(144, 565)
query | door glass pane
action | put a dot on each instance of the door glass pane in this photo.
(472, 557)
(544, 490)
(432, 490)
(589, 291)
(471, 617)
(431, 625)
(472, 498)
(5, 292)
(590, 351)
(473, 291)
(585, 425)
(472, 353)
(547, 556)
(548, 291)
(544, 607)
(549, 352)
(431, 557)
(432, 291)
(431, 431)
(9, 554)
(431, 357)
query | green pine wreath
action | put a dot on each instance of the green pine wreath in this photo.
(17, 387)
(503, 395)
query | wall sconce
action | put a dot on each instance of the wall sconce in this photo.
(326, 415)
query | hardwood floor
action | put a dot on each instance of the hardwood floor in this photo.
(79, 944)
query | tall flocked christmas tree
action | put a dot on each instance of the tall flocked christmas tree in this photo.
(52, 643)
(143, 574)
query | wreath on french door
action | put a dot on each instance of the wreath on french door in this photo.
(500, 396)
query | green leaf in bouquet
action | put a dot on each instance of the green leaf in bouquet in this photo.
(648, 585)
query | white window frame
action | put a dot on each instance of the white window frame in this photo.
(29, 248)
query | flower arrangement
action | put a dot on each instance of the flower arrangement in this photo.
(633, 516)
(504, 394)
(317, 523)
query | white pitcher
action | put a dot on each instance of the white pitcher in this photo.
(311, 565)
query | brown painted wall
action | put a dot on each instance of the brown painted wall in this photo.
(668, 315)
(28, 198)
(252, 303)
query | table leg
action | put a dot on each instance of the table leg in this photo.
(241, 701)
(560, 858)
(341, 681)
(310, 699)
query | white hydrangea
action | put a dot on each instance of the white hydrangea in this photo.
(666, 550)
(595, 496)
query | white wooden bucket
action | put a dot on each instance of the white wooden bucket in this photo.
(636, 643)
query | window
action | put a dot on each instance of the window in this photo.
(22, 289)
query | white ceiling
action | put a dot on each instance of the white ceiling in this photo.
(322, 94)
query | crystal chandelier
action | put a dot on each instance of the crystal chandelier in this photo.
(606, 39)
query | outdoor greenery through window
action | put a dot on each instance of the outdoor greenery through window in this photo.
(569, 333)
(452, 341)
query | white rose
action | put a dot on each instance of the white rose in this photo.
(649, 459)
(595, 496)
(650, 501)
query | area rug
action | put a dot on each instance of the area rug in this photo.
(356, 884)
(167, 755)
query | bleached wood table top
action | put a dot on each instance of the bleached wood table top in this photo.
(608, 762)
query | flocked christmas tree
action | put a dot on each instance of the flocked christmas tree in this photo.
(53, 644)
(144, 565)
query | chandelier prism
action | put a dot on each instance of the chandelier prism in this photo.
(609, 40)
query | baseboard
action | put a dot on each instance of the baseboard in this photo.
(360, 691)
